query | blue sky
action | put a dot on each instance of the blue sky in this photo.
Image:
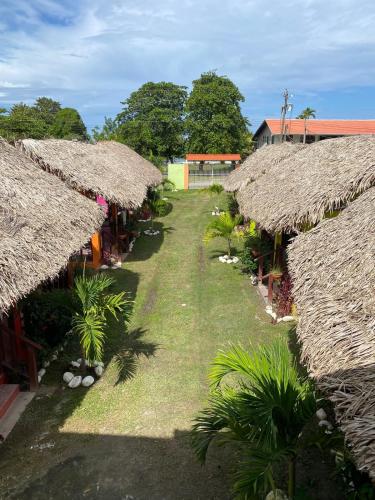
(92, 54)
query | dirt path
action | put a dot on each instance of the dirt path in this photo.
(127, 437)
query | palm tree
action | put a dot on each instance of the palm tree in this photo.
(263, 410)
(90, 321)
(224, 226)
(306, 115)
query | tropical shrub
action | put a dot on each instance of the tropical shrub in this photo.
(232, 204)
(48, 317)
(95, 304)
(262, 409)
(224, 226)
(284, 298)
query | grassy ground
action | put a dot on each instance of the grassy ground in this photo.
(127, 435)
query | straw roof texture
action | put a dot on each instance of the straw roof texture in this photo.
(258, 163)
(320, 178)
(42, 223)
(333, 272)
(108, 169)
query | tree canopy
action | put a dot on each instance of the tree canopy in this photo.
(214, 121)
(68, 124)
(44, 119)
(151, 121)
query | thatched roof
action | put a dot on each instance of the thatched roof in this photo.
(333, 272)
(42, 223)
(300, 190)
(107, 169)
(258, 163)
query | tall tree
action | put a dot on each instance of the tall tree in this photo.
(68, 124)
(214, 122)
(306, 114)
(47, 109)
(152, 120)
(22, 122)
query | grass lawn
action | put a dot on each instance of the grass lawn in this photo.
(127, 435)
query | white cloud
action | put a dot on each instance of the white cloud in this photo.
(111, 47)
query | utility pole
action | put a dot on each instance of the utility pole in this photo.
(284, 109)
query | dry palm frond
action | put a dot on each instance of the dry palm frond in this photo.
(320, 178)
(258, 163)
(333, 272)
(108, 169)
(42, 223)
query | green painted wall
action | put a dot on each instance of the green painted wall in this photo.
(176, 174)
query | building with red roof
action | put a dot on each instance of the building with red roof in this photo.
(269, 131)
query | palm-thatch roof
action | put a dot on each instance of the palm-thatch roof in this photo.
(258, 163)
(108, 169)
(42, 223)
(333, 272)
(320, 178)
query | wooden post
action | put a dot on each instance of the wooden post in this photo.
(260, 268)
(96, 250)
(32, 368)
(270, 289)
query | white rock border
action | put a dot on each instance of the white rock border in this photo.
(151, 232)
(225, 259)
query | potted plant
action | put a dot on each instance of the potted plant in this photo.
(276, 272)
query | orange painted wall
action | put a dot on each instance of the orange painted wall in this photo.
(186, 176)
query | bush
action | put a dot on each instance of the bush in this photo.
(48, 317)
(161, 208)
(248, 260)
(232, 205)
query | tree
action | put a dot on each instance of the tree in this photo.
(47, 109)
(263, 411)
(224, 226)
(68, 124)
(22, 122)
(306, 114)
(109, 131)
(214, 122)
(152, 120)
(91, 320)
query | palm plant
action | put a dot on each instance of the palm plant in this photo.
(263, 410)
(306, 114)
(223, 226)
(95, 304)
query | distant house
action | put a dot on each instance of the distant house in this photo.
(269, 131)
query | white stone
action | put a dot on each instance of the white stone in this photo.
(99, 370)
(87, 381)
(75, 364)
(42, 372)
(104, 266)
(98, 363)
(226, 257)
(53, 357)
(288, 318)
(75, 382)
(321, 414)
(39, 379)
(67, 377)
(274, 315)
(325, 423)
(276, 495)
(213, 213)
(235, 259)
(229, 261)
(46, 364)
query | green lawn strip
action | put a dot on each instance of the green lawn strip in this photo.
(221, 307)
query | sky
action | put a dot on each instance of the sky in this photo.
(91, 54)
